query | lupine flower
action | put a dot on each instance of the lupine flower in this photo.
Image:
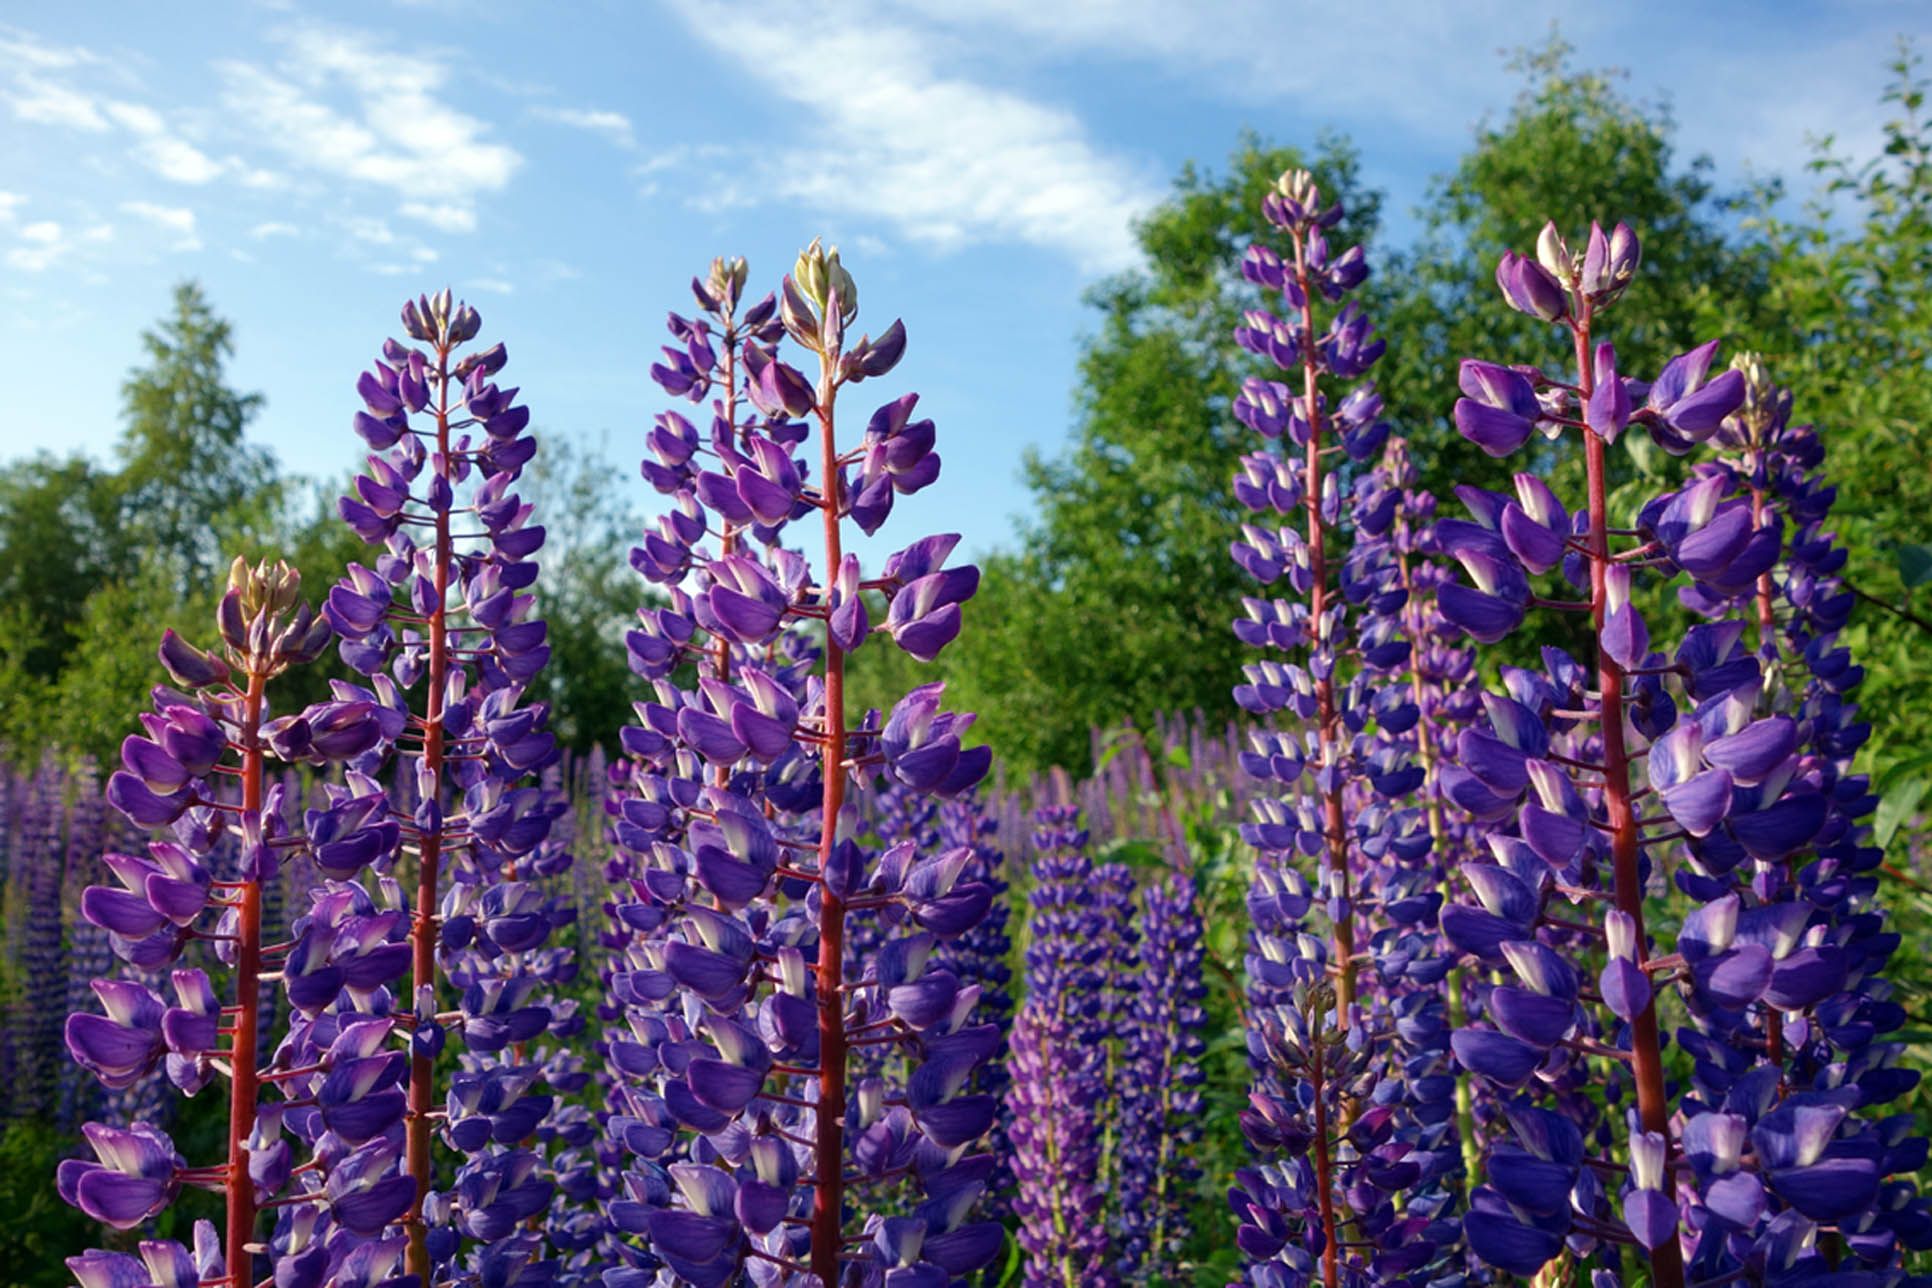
(1676, 758)
(448, 609)
(173, 896)
(735, 1105)
(1351, 1110)
(42, 954)
(1057, 1105)
(1160, 1081)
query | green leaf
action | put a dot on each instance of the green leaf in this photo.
(1898, 804)
(1915, 564)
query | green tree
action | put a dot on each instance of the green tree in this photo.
(186, 467)
(587, 592)
(1850, 331)
(94, 563)
(59, 542)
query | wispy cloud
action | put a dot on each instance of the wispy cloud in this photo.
(444, 216)
(38, 96)
(46, 242)
(273, 228)
(24, 49)
(614, 126)
(899, 137)
(178, 220)
(44, 102)
(375, 232)
(341, 105)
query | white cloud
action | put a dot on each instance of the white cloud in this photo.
(344, 106)
(24, 49)
(31, 259)
(903, 137)
(273, 228)
(424, 255)
(159, 148)
(178, 220)
(374, 231)
(47, 242)
(444, 216)
(138, 117)
(10, 202)
(178, 160)
(43, 102)
(494, 285)
(614, 126)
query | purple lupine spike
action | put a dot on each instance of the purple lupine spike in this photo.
(447, 612)
(773, 973)
(1673, 755)
(1351, 1112)
(228, 840)
(1160, 1103)
(87, 953)
(1057, 1103)
(37, 1028)
(1118, 950)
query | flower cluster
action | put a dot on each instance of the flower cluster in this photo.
(1058, 1104)
(748, 1146)
(443, 627)
(1159, 1085)
(1351, 1111)
(1695, 766)
(198, 770)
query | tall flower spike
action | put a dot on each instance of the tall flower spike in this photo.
(447, 610)
(209, 880)
(1673, 762)
(756, 1116)
(1058, 1103)
(1160, 1084)
(1351, 1109)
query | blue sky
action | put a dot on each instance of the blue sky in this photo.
(568, 167)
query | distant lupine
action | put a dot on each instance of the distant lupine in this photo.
(1595, 788)
(1057, 1104)
(448, 611)
(1352, 1107)
(87, 955)
(200, 772)
(42, 963)
(750, 1151)
(1160, 1082)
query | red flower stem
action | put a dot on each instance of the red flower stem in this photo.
(728, 540)
(1667, 1261)
(422, 926)
(1324, 1170)
(1767, 625)
(243, 1084)
(1328, 718)
(828, 1190)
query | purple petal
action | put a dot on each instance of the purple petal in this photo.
(1497, 1056)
